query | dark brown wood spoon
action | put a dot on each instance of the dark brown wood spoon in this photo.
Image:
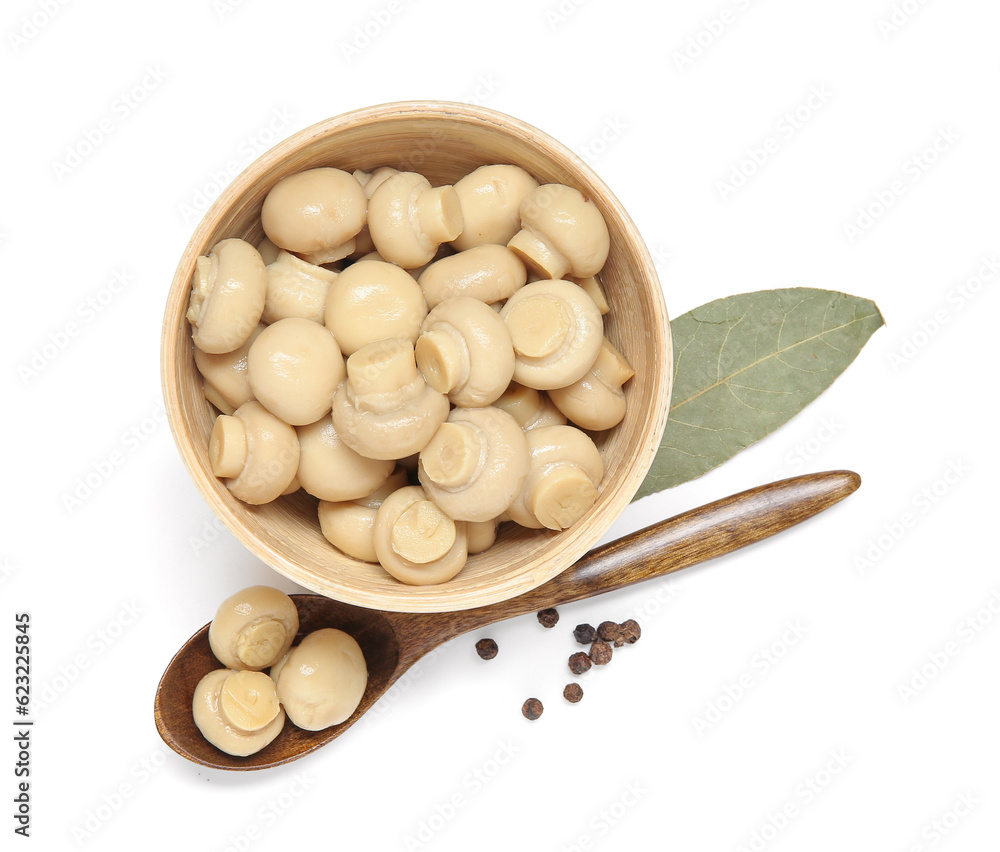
(394, 641)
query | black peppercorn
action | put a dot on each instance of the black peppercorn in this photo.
(584, 634)
(609, 632)
(532, 709)
(579, 663)
(573, 692)
(486, 648)
(600, 653)
(548, 617)
(630, 631)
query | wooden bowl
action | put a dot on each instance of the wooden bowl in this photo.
(443, 141)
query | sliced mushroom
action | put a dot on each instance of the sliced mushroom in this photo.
(597, 401)
(294, 366)
(408, 219)
(475, 464)
(561, 486)
(562, 233)
(237, 712)
(464, 350)
(317, 213)
(226, 386)
(331, 470)
(322, 679)
(489, 273)
(529, 407)
(385, 409)
(350, 526)
(227, 296)
(253, 628)
(416, 542)
(491, 197)
(256, 453)
(556, 330)
(374, 300)
(296, 288)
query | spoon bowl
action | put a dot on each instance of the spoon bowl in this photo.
(393, 641)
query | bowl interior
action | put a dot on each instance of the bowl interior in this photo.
(443, 142)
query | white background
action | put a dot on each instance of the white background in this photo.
(822, 749)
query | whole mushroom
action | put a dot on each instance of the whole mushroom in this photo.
(227, 296)
(322, 680)
(253, 628)
(565, 471)
(562, 233)
(491, 198)
(464, 350)
(226, 384)
(350, 525)
(385, 409)
(374, 300)
(489, 273)
(475, 464)
(597, 401)
(296, 288)
(331, 470)
(237, 712)
(294, 366)
(408, 219)
(416, 542)
(316, 213)
(255, 452)
(556, 330)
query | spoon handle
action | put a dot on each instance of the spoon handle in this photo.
(695, 536)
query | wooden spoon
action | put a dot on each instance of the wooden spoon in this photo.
(394, 641)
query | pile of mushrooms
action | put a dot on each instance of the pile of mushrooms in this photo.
(425, 361)
(320, 682)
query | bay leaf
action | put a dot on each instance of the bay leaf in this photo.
(745, 365)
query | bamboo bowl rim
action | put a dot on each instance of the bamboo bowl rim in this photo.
(458, 138)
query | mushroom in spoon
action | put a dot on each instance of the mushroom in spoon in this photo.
(393, 641)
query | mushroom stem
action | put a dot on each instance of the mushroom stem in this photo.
(378, 371)
(454, 455)
(441, 359)
(539, 325)
(248, 701)
(562, 497)
(423, 533)
(227, 447)
(439, 212)
(539, 254)
(258, 644)
(206, 271)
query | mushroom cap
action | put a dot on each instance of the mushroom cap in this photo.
(566, 223)
(416, 542)
(373, 300)
(465, 351)
(491, 197)
(385, 409)
(210, 718)
(556, 330)
(227, 296)
(408, 219)
(267, 450)
(331, 470)
(253, 628)
(294, 367)
(314, 210)
(322, 680)
(227, 385)
(475, 464)
(597, 401)
(296, 288)
(565, 472)
(489, 273)
(349, 526)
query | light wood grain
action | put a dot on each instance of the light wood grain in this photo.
(444, 141)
